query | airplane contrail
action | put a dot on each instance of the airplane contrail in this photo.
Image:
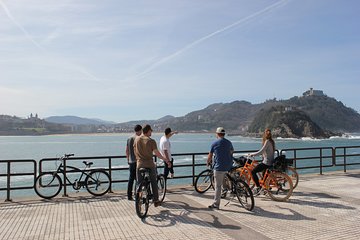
(10, 16)
(191, 45)
(28, 36)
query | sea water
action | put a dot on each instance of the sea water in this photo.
(90, 145)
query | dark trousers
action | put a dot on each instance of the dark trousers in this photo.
(259, 168)
(132, 177)
(167, 169)
(153, 180)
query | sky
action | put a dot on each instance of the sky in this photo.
(123, 60)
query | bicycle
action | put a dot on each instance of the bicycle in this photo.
(204, 181)
(276, 184)
(285, 168)
(233, 184)
(144, 192)
(48, 185)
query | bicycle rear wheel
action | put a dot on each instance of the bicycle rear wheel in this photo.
(142, 199)
(279, 186)
(244, 194)
(204, 181)
(98, 182)
(161, 183)
(293, 175)
(48, 185)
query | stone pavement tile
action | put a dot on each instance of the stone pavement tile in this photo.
(313, 212)
(322, 207)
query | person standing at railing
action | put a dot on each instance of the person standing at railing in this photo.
(165, 148)
(267, 151)
(130, 156)
(221, 151)
(144, 148)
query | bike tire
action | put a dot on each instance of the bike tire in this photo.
(48, 185)
(244, 194)
(204, 181)
(279, 186)
(97, 182)
(161, 183)
(293, 175)
(142, 199)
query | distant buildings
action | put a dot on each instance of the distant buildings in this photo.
(313, 92)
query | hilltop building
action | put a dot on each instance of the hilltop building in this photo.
(313, 92)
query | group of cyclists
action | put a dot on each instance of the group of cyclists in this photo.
(141, 147)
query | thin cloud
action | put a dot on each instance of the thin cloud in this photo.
(238, 23)
(27, 35)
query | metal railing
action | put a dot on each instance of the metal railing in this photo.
(11, 171)
(304, 158)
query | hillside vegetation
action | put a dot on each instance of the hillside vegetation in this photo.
(306, 116)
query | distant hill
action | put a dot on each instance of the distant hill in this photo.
(287, 123)
(317, 116)
(312, 115)
(11, 125)
(74, 120)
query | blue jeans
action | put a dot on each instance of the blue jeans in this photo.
(132, 176)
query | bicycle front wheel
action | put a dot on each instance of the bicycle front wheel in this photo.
(98, 182)
(161, 183)
(244, 194)
(204, 181)
(279, 186)
(293, 175)
(142, 199)
(48, 185)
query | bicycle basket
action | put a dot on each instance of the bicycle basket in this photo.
(240, 162)
(281, 163)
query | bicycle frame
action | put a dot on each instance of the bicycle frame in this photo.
(247, 169)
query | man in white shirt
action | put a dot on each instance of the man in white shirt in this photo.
(165, 148)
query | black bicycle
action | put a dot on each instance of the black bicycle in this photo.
(49, 184)
(232, 184)
(144, 192)
(204, 181)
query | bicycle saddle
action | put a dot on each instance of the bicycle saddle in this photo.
(144, 170)
(88, 163)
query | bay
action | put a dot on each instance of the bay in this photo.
(90, 145)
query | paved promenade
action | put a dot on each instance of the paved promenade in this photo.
(322, 207)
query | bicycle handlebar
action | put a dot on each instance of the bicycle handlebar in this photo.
(67, 156)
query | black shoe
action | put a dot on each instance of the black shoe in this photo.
(157, 203)
(213, 206)
(130, 198)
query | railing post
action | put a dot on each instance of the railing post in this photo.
(64, 181)
(8, 186)
(344, 159)
(321, 162)
(193, 169)
(110, 172)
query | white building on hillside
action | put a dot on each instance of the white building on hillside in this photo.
(313, 92)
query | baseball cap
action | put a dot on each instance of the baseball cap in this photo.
(220, 130)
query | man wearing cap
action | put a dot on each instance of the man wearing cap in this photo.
(130, 155)
(144, 148)
(165, 148)
(221, 151)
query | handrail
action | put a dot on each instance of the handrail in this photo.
(323, 157)
(9, 174)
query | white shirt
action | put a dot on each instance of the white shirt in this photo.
(165, 145)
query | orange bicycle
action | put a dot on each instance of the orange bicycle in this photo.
(276, 184)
